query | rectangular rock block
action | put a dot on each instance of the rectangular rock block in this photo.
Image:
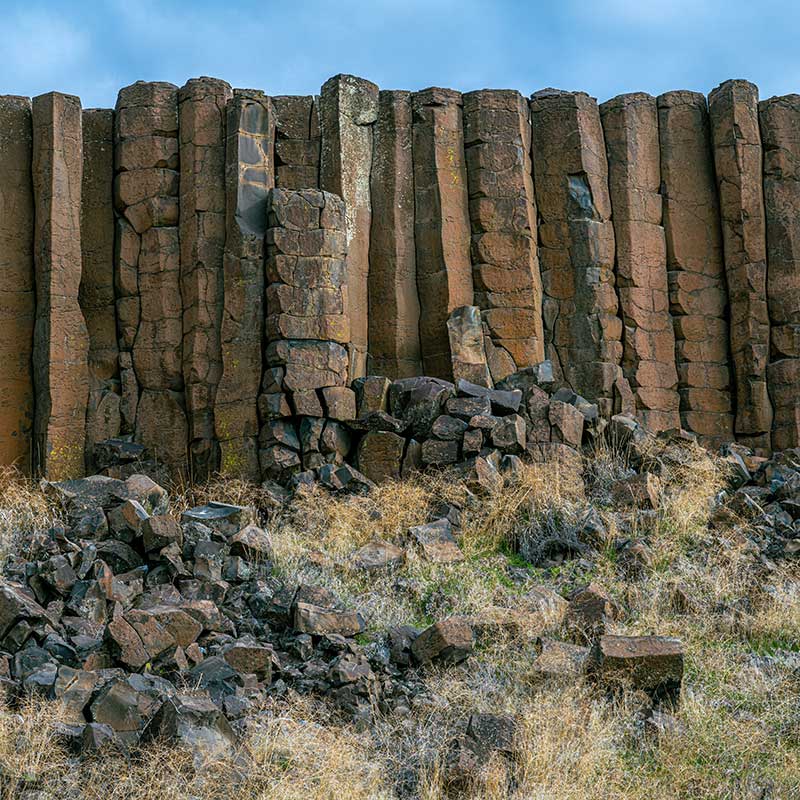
(441, 221)
(394, 308)
(733, 111)
(630, 127)
(17, 287)
(249, 175)
(297, 142)
(698, 294)
(61, 340)
(348, 109)
(576, 246)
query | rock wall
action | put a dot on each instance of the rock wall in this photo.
(173, 277)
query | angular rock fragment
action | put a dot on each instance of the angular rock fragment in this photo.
(436, 543)
(441, 221)
(380, 455)
(309, 618)
(194, 721)
(447, 641)
(467, 352)
(61, 343)
(630, 126)
(297, 141)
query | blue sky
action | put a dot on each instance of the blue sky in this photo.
(604, 47)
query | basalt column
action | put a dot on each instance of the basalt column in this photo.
(147, 265)
(348, 108)
(630, 126)
(296, 141)
(97, 279)
(394, 347)
(441, 221)
(249, 171)
(61, 341)
(576, 246)
(733, 109)
(780, 132)
(508, 289)
(17, 298)
(201, 111)
(698, 296)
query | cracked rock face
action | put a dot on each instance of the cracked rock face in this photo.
(630, 127)
(582, 330)
(698, 294)
(779, 117)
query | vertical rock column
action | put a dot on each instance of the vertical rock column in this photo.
(630, 127)
(308, 324)
(296, 141)
(348, 109)
(394, 347)
(17, 293)
(508, 288)
(441, 221)
(201, 112)
(698, 296)
(147, 265)
(733, 109)
(576, 247)
(97, 280)
(780, 132)
(249, 175)
(61, 341)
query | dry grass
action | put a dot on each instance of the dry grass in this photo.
(739, 621)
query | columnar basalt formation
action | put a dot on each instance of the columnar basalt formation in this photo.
(698, 295)
(17, 290)
(201, 111)
(630, 127)
(249, 175)
(61, 342)
(97, 278)
(582, 330)
(297, 141)
(441, 221)
(733, 110)
(780, 132)
(502, 206)
(348, 109)
(147, 263)
(308, 323)
(394, 307)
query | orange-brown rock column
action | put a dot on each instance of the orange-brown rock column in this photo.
(394, 346)
(698, 295)
(441, 221)
(17, 292)
(733, 110)
(630, 126)
(61, 341)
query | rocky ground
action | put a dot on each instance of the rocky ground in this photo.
(622, 622)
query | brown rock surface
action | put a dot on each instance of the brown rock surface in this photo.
(249, 175)
(441, 221)
(698, 295)
(502, 206)
(17, 290)
(733, 110)
(630, 127)
(348, 109)
(296, 142)
(97, 278)
(61, 341)
(147, 264)
(582, 330)
(780, 123)
(394, 346)
(467, 351)
(201, 109)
